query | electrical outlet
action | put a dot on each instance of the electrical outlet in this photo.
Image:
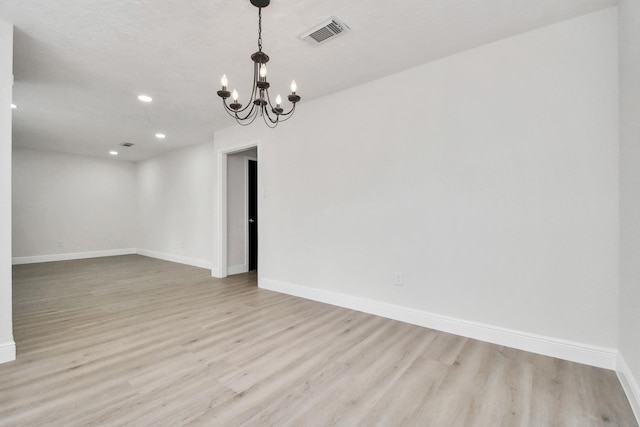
(60, 244)
(399, 280)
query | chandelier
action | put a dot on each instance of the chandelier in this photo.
(260, 103)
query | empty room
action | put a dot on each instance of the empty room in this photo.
(335, 213)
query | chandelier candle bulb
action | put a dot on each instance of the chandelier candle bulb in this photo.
(259, 103)
(224, 93)
(278, 109)
(293, 98)
(235, 106)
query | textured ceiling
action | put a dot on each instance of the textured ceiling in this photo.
(80, 64)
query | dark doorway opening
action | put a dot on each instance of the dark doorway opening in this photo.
(252, 205)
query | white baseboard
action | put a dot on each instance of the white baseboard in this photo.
(177, 258)
(114, 252)
(71, 256)
(630, 385)
(237, 269)
(575, 352)
(7, 351)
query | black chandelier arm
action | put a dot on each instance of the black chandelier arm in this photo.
(268, 120)
(247, 119)
(254, 109)
(244, 122)
(283, 117)
(252, 98)
(271, 123)
(232, 112)
(267, 115)
(235, 113)
(229, 111)
(254, 90)
(269, 100)
(288, 113)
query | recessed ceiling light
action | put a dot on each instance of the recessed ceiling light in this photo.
(145, 98)
(113, 153)
(14, 106)
(161, 135)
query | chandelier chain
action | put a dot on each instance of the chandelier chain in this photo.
(260, 29)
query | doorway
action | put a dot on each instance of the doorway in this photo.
(238, 202)
(252, 213)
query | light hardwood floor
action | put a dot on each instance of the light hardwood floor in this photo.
(136, 341)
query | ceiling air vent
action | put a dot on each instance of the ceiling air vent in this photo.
(324, 31)
(127, 144)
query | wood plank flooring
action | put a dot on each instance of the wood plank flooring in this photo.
(136, 341)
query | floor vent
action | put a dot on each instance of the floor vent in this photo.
(324, 31)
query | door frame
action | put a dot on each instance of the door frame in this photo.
(246, 211)
(220, 229)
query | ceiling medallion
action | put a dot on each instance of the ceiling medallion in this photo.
(260, 102)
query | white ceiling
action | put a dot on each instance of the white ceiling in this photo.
(80, 64)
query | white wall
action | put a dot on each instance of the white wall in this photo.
(629, 319)
(489, 179)
(65, 205)
(7, 345)
(237, 261)
(175, 205)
